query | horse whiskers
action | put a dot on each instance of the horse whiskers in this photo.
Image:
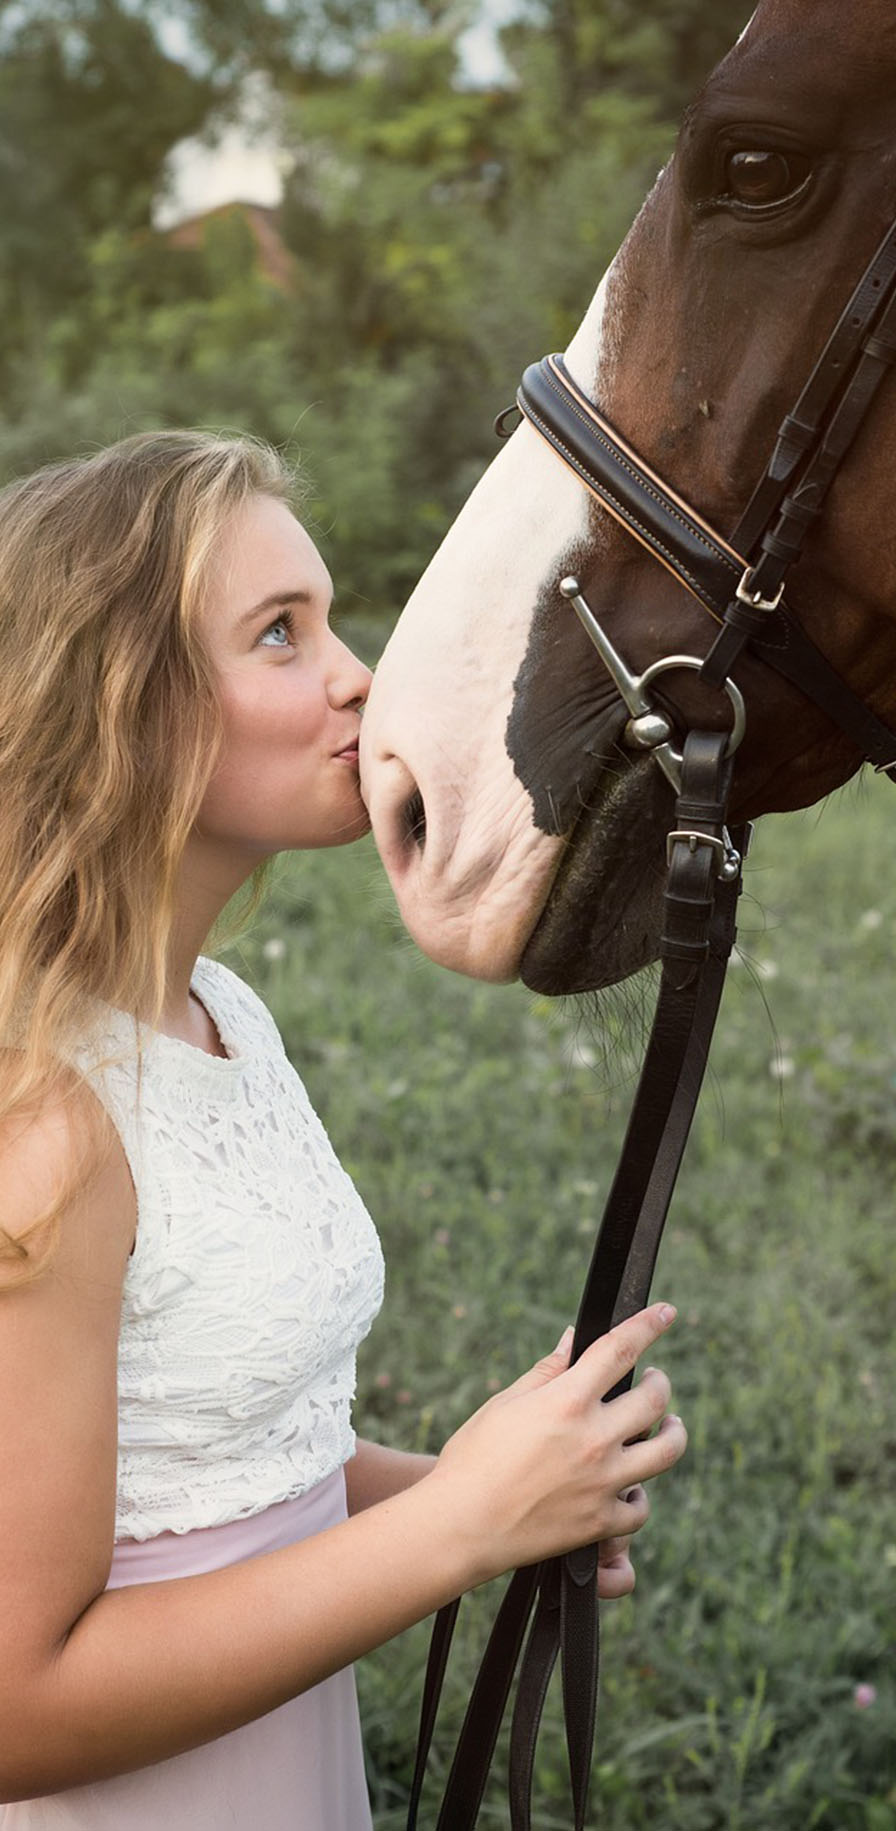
(617, 1019)
(588, 799)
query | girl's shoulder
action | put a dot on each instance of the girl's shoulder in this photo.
(58, 1163)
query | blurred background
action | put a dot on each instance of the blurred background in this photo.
(347, 225)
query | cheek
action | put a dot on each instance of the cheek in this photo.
(270, 721)
(270, 744)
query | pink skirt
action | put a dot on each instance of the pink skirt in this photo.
(300, 1768)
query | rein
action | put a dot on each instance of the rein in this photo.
(741, 584)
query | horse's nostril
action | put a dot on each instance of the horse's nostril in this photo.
(415, 819)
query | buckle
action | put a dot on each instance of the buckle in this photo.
(694, 840)
(754, 598)
(728, 861)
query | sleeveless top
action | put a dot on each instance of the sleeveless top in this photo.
(255, 1274)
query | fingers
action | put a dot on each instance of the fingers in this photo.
(622, 1518)
(548, 1368)
(611, 1549)
(636, 1412)
(608, 1360)
(652, 1456)
(614, 1355)
(616, 1578)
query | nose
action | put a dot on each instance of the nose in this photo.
(350, 677)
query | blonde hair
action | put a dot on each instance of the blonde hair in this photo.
(108, 736)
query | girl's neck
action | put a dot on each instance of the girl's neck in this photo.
(210, 876)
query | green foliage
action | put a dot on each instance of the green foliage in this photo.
(89, 107)
(661, 52)
(413, 207)
(482, 1126)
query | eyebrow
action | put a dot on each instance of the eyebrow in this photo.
(276, 601)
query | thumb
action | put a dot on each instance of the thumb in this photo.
(547, 1369)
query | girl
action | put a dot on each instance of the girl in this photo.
(195, 1546)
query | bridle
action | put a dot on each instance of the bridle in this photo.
(741, 584)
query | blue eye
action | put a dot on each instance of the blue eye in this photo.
(278, 634)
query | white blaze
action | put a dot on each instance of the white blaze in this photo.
(438, 710)
(742, 35)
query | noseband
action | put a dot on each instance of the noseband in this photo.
(741, 584)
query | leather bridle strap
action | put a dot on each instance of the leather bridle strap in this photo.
(560, 1595)
(775, 524)
(710, 569)
(741, 585)
(857, 333)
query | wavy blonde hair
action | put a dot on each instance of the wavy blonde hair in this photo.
(109, 730)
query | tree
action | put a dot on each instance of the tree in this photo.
(89, 108)
(443, 235)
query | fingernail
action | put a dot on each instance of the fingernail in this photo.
(565, 1339)
(667, 1314)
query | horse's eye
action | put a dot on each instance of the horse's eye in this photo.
(758, 179)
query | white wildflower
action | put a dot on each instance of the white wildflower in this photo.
(583, 1056)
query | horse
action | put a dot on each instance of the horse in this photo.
(523, 837)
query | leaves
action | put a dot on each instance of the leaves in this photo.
(438, 235)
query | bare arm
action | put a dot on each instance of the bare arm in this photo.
(375, 1472)
(95, 1682)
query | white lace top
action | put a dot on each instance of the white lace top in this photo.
(256, 1271)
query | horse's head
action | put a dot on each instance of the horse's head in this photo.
(520, 836)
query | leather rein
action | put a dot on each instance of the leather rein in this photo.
(741, 584)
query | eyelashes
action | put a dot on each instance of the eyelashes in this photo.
(285, 621)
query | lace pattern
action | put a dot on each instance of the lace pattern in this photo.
(256, 1271)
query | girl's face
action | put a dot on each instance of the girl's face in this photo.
(290, 693)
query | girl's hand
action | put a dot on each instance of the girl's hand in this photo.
(615, 1570)
(550, 1463)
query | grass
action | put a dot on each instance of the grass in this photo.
(482, 1125)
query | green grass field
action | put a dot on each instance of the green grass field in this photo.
(749, 1682)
